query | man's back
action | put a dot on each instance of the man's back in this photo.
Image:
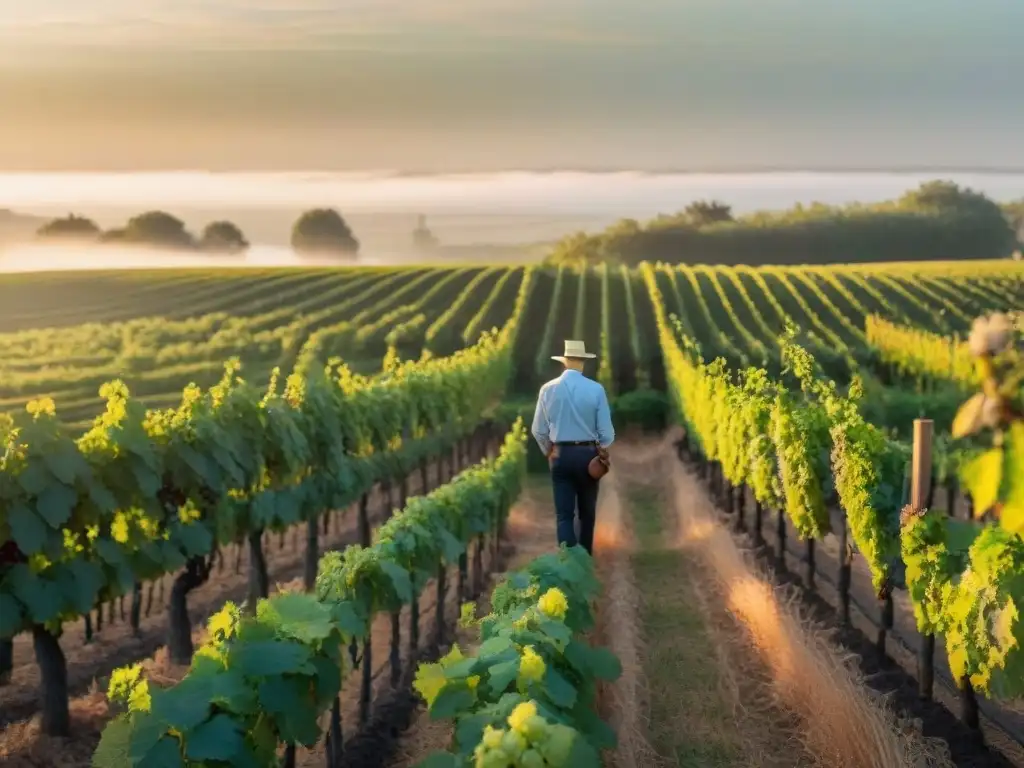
(572, 408)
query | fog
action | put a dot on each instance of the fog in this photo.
(497, 217)
(54, 258)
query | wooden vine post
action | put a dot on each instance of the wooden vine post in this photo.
(920, 491)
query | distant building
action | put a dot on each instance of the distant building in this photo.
(422, 238)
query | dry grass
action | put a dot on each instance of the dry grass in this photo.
(843, 727)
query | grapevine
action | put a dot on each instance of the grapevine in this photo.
(968, 583)
(266, 679)
(527, 697)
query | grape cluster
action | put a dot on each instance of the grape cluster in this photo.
(530, 741)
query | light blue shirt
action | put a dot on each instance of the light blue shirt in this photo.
(572, 408)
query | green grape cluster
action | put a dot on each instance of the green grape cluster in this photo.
(529, 741)
(527, 695)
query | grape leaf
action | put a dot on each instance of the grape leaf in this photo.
(298, 616)
(269, 657)
(183, 706)
(55, 504)
(11, 617)
(166, 754)
(560, 690)
(217, 739)
(501, 675)
(438, 760)
(80, 582)
(399, 580)
(289, 700)
(27, 528)
(41, 596)
(112, 751)
(195, 539)
(982, 477)
(452, 699)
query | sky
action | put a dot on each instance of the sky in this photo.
(482, 85)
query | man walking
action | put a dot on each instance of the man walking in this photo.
(573, 425)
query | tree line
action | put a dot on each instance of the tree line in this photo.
(320, 230)
(938, 220)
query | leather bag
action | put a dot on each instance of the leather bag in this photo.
(599, 465)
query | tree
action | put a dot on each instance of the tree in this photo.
(1014, 213)
(223, 237)
(158, 229)
(70, 227)
(323, 230)
(704, 212)
(422, 238)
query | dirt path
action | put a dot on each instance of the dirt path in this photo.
(839, 722)
(708, 698)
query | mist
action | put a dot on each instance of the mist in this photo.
(38, 257)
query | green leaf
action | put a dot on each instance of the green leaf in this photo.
(230, 691)
(166, 754)
(55, 504)
(558, 689)
(604, 664)
(501, 675)
(28, 530)
(441, 760)
(269, 657)
(220, 738)
(452, 699)
(147, 730)
(65, 463)
(297, 615)
(112, 751)
(183, 706)
(195, 539)
(326, 680)
(80, 581)
(583, 755)
(982, 477)
(400, 580)
(12, 620)
(41, 596)
(290, 702)
(493, 646)
(348, 620)
(451, 547)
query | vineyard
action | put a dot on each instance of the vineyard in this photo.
(194, 440)
(63, 335)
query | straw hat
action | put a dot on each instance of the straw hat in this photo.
(574, 350)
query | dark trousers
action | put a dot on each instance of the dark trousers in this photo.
(575, 492)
